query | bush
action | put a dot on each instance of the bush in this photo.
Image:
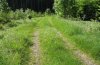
(1, 26)
(4, 18)
(1, 35)
(22, 14)
(84, 9)
(98, 10)
(65, 8)
(19, 14)
(4, 6)
(12, 24)
(89, 10)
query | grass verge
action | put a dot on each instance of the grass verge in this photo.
(15, 43)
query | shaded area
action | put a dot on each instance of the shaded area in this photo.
(89, 12)
(36, 5)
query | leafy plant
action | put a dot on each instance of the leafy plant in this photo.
(1, 26)
(4, 5)
(64, 7)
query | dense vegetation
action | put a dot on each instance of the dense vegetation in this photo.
(36, 5)
(15, 44)
(84, 35)
(84, 9)
(63, 16)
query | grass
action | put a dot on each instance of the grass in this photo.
(84, 34)
(53, 50)
(15, 43)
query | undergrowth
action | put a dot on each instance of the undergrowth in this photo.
(53, 50)
(15, 43)
(84, 34)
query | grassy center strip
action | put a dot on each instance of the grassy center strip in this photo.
(53, 50)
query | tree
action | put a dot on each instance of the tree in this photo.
(3, 5)
(98, 10)
(64, 7)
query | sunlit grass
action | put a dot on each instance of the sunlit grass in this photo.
(53, 49)
(15, 43)
(85, 34)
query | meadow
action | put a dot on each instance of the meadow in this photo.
(50, 32)
(15, 42)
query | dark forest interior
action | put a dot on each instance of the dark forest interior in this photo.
(36, 5)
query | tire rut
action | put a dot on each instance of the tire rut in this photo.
(83, 57)
(35, 50)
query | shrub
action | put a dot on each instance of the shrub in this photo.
(4, 18)
(1, 35)
(4, 6)
(84, 9)
(22, 14)
(12, 24)
(89, 10)
(64, 7)
(1, 26)
(98, 10)
(19, 14)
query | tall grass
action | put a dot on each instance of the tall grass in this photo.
(15, 43)
(85, 34)
(53, 50)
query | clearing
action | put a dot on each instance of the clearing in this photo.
(52, 41)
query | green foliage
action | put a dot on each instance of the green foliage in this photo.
(4, 18)
(1, 26)
(47, 12)
(64, 7)
(53, 49)
(85, 35)
(15, 44)
(98, 10)
(8, 18)
(12, 24)
(21, 14)
(87, 10)
(4, 6)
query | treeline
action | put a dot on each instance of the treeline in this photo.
(3, 5)
(36, 5)
(84, 9)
